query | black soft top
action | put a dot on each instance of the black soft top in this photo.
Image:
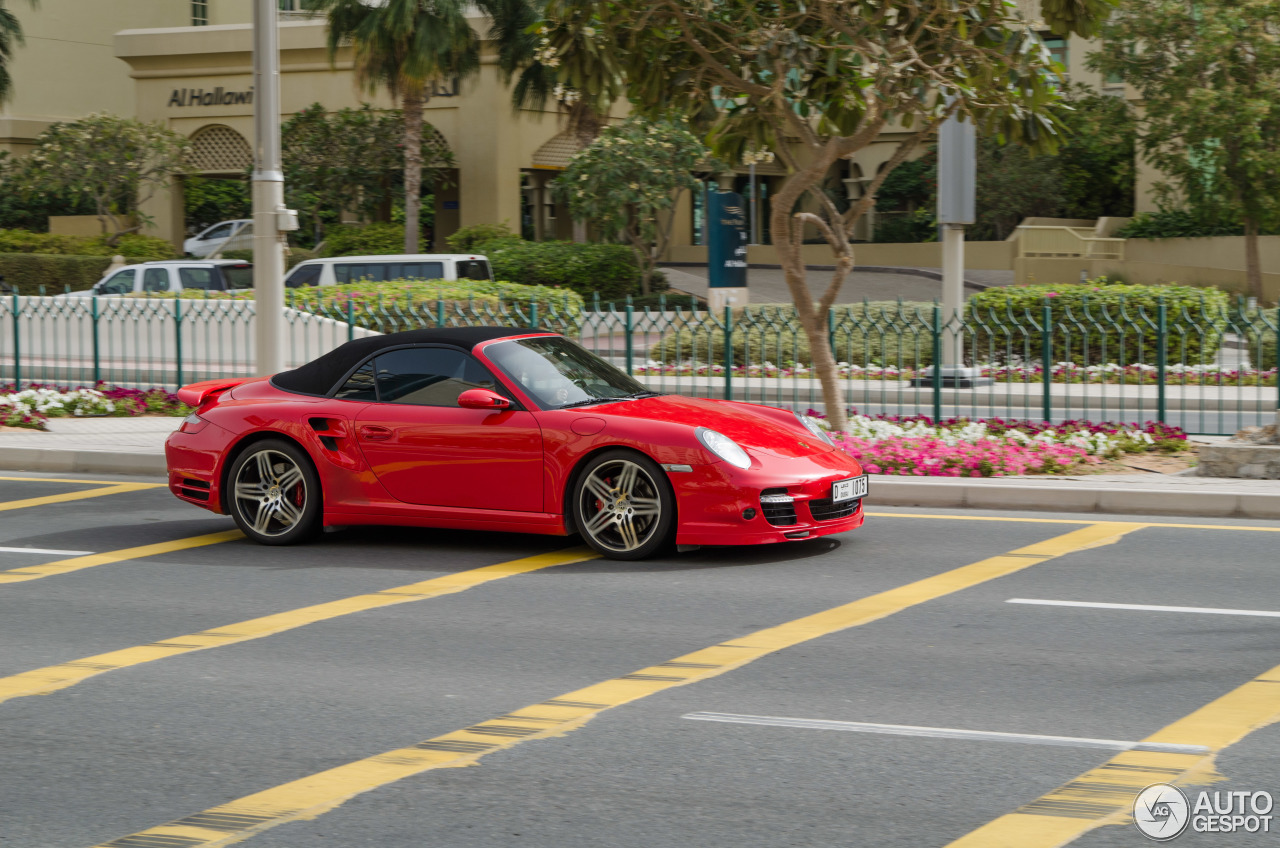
(320, 375)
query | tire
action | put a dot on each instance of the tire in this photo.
(266, 511)
(623, 505)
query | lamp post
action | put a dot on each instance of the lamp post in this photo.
(270, 217)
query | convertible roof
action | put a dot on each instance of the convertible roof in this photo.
(318, 376)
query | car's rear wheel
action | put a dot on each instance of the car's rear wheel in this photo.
(275, 493)
(623, 505)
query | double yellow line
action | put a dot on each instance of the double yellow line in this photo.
(316, 794)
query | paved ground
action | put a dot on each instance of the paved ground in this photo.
(768, 285)
(193, 676)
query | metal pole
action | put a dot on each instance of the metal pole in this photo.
(268, 192)
(953, 292)
(755, 217)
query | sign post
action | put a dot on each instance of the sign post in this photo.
(726, 250)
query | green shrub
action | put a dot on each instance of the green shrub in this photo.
(138, 248)
(293, 257)
(1098, 323)
(609, 269)
(27, 272)
(466, 239)
(1177, 223)
(367, 240)
(771, 333)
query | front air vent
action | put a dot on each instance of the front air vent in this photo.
(778, 507)
(826, 510)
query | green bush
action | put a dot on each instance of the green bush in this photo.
(609, 269)
(1098, 323)
(138, 248)
(367, 240)
(27, 272)
(466, 239)
(1178, 223)
(293, 257)
(771, 333)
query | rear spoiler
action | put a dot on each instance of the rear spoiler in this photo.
(197, 393)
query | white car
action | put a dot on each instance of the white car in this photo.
(174, 275)
(377, 269)
(227, 235)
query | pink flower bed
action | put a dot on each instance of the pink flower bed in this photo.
(931, 457)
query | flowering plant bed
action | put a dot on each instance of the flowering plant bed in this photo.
(1062, 372)
(36, 404)
(960, 447)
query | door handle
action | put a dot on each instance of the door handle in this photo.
(374, 433)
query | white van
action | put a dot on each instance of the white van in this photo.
(173, 275)
(377, 269)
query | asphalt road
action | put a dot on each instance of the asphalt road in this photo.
(286, 698)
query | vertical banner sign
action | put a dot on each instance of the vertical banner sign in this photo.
(726, 240)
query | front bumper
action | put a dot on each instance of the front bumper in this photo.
(711, 500)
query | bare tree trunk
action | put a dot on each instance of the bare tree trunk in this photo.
(412, 168)
(1252, 262)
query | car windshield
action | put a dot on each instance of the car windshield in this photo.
(559, 374)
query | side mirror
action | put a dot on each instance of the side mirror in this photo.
(482, 399)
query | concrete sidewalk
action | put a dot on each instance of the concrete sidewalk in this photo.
(136, 446)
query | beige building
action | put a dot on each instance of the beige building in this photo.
(188, 64)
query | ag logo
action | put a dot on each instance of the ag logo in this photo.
(1161, 812)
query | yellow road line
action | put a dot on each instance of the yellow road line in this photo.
(113, 489)
(316, 794)
(73, 480)
(42, 681)
(1077, 521)
(1105, 795)
(64, 566)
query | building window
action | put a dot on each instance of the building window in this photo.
(199, 12)
(1057, 48)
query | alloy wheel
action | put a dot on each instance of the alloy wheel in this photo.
(620, 505)
(271, 493)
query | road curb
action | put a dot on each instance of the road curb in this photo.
(83, 461)
(1068, 496)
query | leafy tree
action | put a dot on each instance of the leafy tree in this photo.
(1095, 163)
(405, 46)
(10, 37)
(629, 179)
(1208, 74)
(206, 201)
(353, 159)
(816, 81)
(115, 163)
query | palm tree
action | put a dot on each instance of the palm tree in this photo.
(405, 46)
(10, 37)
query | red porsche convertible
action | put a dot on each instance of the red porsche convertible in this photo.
(494, 428)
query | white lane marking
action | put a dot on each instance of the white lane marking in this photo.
(948, 733)
(42, 551)
(1145, 607)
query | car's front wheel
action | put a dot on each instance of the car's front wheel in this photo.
(623, 505)
(275, 493)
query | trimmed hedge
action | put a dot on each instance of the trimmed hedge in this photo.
(609, 269)
(370, 239)
(139, 247)
(25, 273)
(1098, 322)
(771, 333)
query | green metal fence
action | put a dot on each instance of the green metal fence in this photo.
(1207, 369)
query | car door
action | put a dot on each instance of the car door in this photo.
(425, 449)
(155, 280)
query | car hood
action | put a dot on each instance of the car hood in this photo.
(753, 427)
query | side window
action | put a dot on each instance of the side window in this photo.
(360, 386)
(428, 376)
(199, 278)
(473, 269)
(155, 280)
(219, 232)
(303, 275)
(423, 271)
(120, 282)
(349, 272)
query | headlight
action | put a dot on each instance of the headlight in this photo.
(815, 428)
(723, 447)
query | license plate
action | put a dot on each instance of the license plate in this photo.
(846, 490)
